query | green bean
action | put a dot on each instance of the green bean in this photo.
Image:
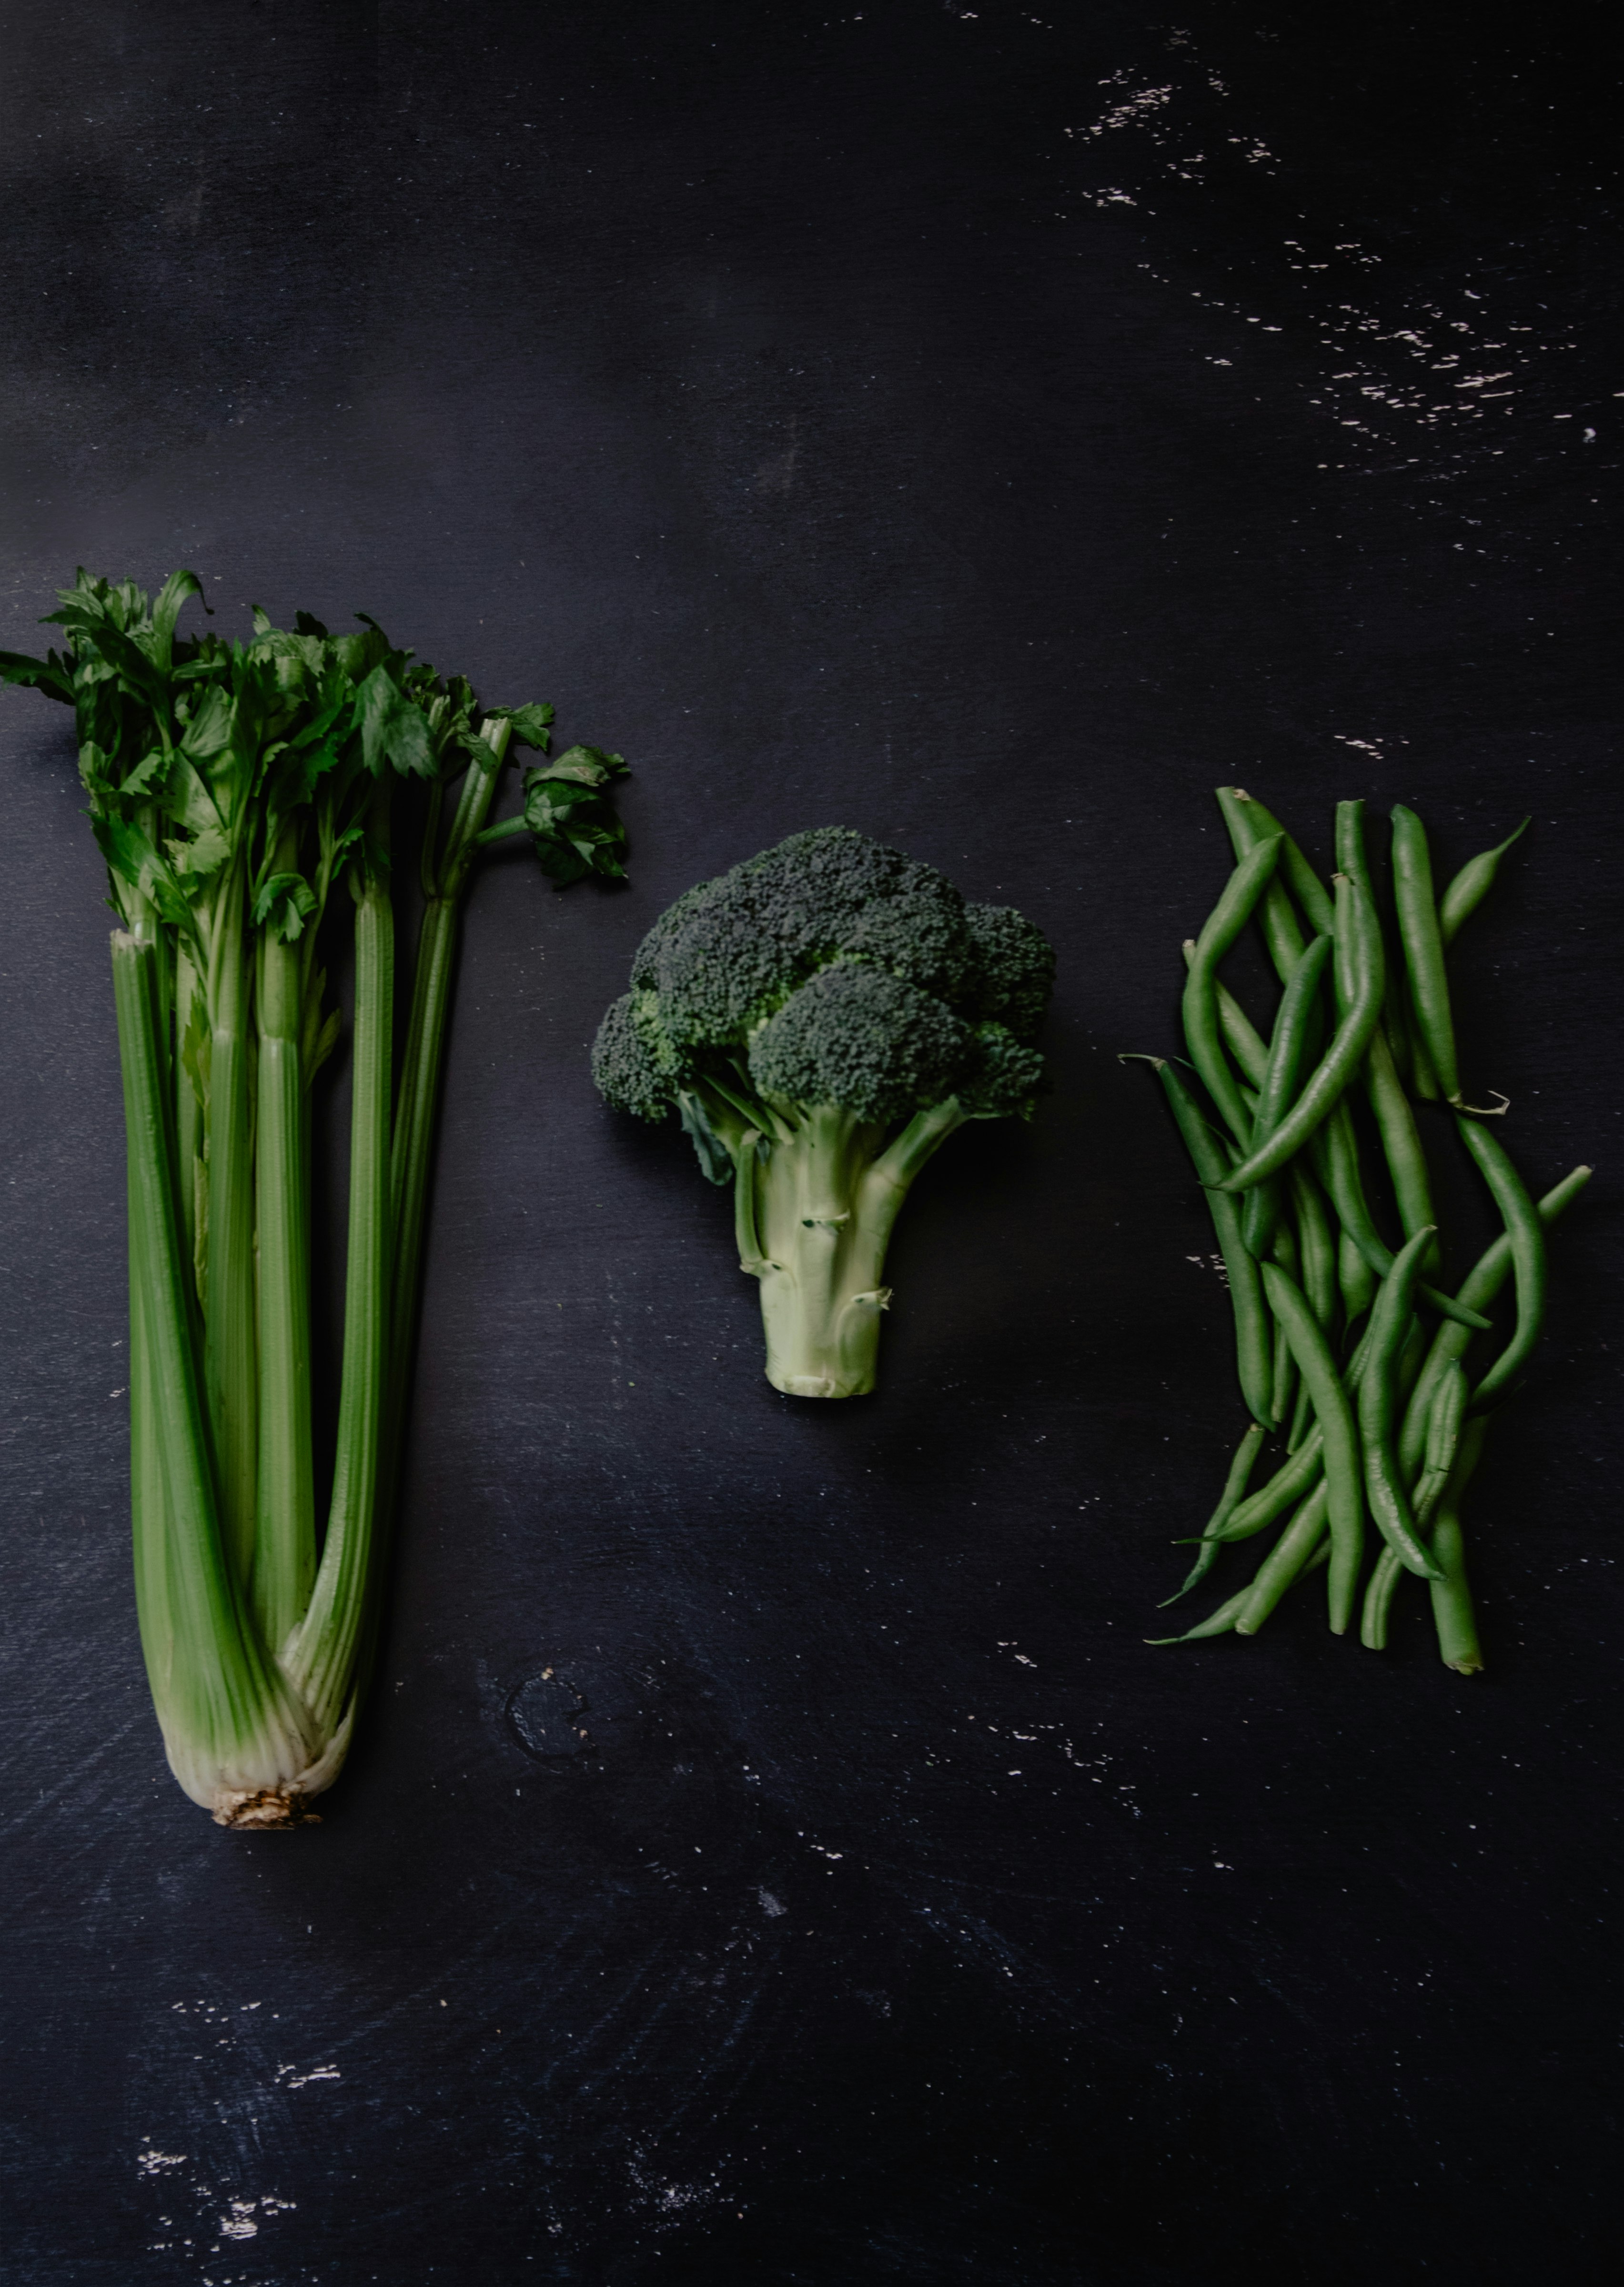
(1443, 1437)
(1234, 1491)
(1325, 1086)
(1301, 1418)
(1408, 1054)
(1379, 1592)
(1289, 1483)
(1316, 1246)
(1279, 1083)
(1286, 1562)
(1470, 886)
(1401, 1145)
(1254, 1359)
(1354, 1277)
(1295, 1475)
(1344, 1488)
(1283, 1389)
(1335, 1154)
(1444, 1425)
(1423, 948)
(1281, 933)
(1453, 1615)
(1246, 1045)
(1480, 1288)
(1240, 1035)
(1246, 814)
(1283, 1250)
(1228, 918)
(1526, 1234)
(1384, 1486)
(1350, 858)
(1216, 1624)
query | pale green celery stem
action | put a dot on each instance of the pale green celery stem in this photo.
(415, 1114)
(230, 1361)
(417, 1105)
(321, 1658)
(284, 1561)
(188, 1111)
(822, 1207)
(227, 1720)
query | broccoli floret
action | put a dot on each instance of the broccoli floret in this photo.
(822, 1017)
(860, 1037)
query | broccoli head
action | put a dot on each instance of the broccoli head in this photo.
(822, 1018)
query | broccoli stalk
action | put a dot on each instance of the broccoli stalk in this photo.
(822, 1018)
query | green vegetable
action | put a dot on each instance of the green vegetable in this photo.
(1253, 1356)
(1306, 1260)
(241, 797)
(1345, 1494)
(1278, 1087)
(822, 1018)
(1323, 1090)
(1229, 917)
(1391, 1321)
(1423, 948)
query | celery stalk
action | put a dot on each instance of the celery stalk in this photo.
(231, 1727)
(230, 1363)
(216, 772)
(285, 1556)
(321, 1656)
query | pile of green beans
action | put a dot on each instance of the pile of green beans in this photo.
(1351, 1351)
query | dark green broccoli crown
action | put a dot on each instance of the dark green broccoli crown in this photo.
(1000, 1074)
(1013, 973)
(845, 974)
(859, 1038)
(625, 1068)
(724, 956)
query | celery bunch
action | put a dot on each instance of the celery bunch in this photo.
(241, 795)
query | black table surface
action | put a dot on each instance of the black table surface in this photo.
(993, 428)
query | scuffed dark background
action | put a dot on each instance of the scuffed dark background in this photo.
(992, 429)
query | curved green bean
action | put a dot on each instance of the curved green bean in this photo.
(1281, 933)
(1241, 1037)
(1343, 1482)
(1453, 1615)
(1470, 886)
(1328, 1083)
(1234, 1491)
(1228, 918)
(1286, 1562)
(1357, 1281)
(1279, 1083)
(1384, 1486)
(1245, 814)
(1335, 1154)
(1444, 1427)
(1302, 1418)
(1479, 1288)
(1423, 948)
(1297, 1473)
(1216, 1624)
(1253, 1354)
(1315, 1245)
(1288, 1485)
(1526, 1234)
(1401, 1143)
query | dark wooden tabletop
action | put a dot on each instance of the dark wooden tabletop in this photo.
(993, 428)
